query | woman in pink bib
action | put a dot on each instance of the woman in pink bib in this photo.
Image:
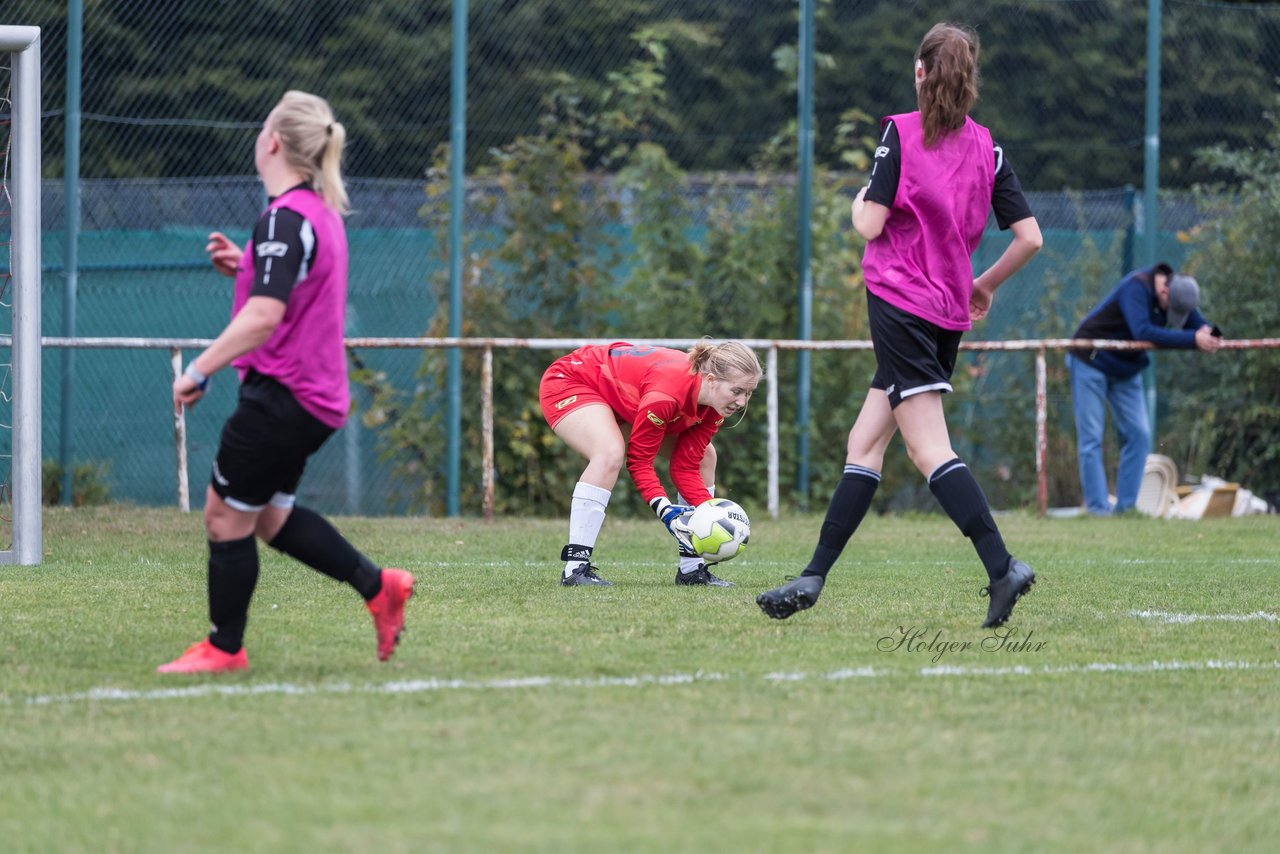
(936, 176)
(285, 342)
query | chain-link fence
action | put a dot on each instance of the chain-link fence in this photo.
(173, 94)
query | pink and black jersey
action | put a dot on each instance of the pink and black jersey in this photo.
(298, 254)
(921, 262)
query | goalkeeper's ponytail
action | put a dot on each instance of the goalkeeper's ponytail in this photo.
(731, 358)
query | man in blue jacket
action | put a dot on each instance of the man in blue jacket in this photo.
(1153, 304)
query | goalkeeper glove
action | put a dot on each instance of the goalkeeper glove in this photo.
(671, 515)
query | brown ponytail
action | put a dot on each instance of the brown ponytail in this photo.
(949, 90)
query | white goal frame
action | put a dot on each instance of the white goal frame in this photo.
(22, 47)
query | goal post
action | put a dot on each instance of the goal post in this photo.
(20, 51)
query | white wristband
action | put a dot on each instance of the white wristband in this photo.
(194, 374)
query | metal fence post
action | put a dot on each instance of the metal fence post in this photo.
(486, 417)
(771, 413)
(180, 437)
(1042, 437)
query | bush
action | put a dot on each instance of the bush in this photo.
(1227, 421)
(89, 485)
(579, 253)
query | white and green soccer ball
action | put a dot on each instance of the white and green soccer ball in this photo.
(718, 529)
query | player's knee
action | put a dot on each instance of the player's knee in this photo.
(223, 526)
(213, 510)
(270, 522)
(610, 460)
(708, 465)
(920, 467)
(927, 456)
(869, 455)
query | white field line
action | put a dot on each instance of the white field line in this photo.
(1168, 617)
(420, 686)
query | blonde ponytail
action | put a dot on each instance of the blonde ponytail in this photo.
(313, 142)
(730, 358)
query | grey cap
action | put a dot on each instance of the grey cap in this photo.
(1184, 298)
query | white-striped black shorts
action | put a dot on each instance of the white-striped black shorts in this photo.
(912, 354)
(265, 445)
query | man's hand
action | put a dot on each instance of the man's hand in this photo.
(1206, 341)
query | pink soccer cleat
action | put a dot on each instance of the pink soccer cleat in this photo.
(204, 657)
(388, 609)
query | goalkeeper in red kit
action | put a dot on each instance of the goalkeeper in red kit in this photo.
(621, 403)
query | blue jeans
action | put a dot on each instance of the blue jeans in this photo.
(1091, 391)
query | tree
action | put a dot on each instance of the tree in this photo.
(1226, 417)
(177, 89)
(544, 271)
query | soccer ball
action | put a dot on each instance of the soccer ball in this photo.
(718, 529)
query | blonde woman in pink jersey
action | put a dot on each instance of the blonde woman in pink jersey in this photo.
(285, 340)
(936, 177)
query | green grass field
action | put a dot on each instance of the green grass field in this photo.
(1142, 712)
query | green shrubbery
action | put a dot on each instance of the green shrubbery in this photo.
(624, 254)
(1226, 420)
(89, 483)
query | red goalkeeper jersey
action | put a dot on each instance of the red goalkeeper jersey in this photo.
(653, 390)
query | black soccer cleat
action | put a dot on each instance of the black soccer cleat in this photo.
(703, 576)
(796, 595)
(584, 575)
(1006, 591)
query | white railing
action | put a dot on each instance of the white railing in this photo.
(1040, 346)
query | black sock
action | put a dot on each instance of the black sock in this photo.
(849, 504)
(233, 573)
(308, 537)
(959, 494)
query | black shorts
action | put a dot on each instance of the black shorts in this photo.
(264, 446)
(912, 355)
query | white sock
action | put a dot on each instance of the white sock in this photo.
(689, 564)
(586, 516)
